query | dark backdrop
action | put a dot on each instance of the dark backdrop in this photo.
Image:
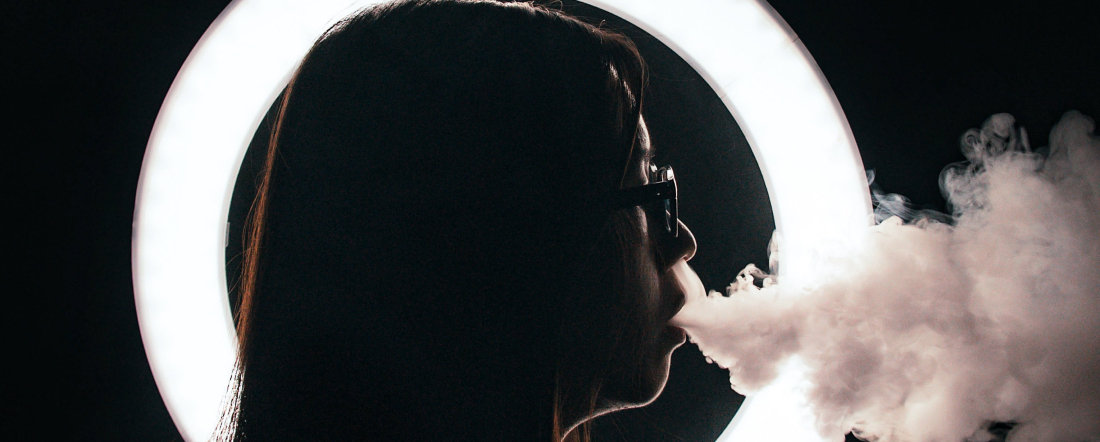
(84, 83)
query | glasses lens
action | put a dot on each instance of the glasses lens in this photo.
(669, 222)
(672, 222)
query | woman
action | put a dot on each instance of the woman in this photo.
(458, 234)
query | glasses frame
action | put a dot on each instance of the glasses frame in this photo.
(661, 187)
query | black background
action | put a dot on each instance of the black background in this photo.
(84, 83)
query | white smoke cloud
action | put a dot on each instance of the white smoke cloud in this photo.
(931, 330)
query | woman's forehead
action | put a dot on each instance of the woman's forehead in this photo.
(643, 147)
(640, 155)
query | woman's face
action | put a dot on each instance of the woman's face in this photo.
(656, 282)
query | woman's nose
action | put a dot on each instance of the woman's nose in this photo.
(682, 246)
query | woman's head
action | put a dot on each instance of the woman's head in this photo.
(654, 247)
(433, 230)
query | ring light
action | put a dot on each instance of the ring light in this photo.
(743, 49)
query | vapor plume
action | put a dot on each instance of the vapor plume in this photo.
(937, 326)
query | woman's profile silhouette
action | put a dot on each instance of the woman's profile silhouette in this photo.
(458, 234)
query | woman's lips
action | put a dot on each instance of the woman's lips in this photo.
(691, 288)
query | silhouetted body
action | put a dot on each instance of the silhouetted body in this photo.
(436, 251)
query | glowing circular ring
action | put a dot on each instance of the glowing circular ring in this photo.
(742, 48)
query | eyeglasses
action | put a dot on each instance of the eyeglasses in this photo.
(661, 187)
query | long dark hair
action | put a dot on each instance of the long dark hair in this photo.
(428, 214)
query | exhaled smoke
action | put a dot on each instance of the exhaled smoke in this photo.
(931, 331)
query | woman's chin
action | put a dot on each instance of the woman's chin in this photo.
(671, 339)
(646, 388)
(675, 336)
